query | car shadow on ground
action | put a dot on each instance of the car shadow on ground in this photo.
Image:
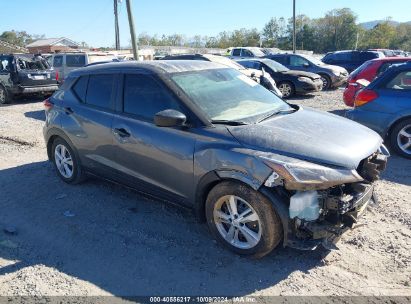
(39, 115)
(124, 243)
(23, 100)
(301, 97)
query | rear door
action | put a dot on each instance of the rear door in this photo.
(88, 115)
(155, 159)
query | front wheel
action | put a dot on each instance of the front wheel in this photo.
(326, 82)
(242, 219)
(400, 138)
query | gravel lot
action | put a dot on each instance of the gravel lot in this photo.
(102, 239)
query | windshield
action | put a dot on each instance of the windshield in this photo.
(226, 61)
(257, 52)
(313, 60)
(275, 66)
(225, 94)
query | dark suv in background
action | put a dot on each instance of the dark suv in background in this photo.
(332, 76)
(25, 74)
(350, 60)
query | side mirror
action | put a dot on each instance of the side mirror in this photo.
(306, 65)
(170, 118)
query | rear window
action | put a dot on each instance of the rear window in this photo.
(80, 88)
(75, 60)
(6, 63)
(58, 61)
(361, 68)
(99, 90)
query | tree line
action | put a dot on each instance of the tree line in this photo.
(337, 30)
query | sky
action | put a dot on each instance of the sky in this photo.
(92, 21)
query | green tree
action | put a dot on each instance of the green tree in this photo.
(270, 33)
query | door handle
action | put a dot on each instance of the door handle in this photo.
(121, 132)
(68, 110)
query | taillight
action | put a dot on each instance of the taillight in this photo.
(57, 76)
(365, 96)
(48, 104)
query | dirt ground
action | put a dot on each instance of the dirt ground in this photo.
(98, 238)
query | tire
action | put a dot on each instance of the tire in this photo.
(5, 97)
(63, 148)
(287, 89)
(234, 234)
(400, 138)
(326, 82)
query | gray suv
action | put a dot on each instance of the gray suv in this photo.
(332, 76)
(260, 171)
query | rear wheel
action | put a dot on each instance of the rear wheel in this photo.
(242, 219)
(400, 138)
(66, 163)
(287, 89)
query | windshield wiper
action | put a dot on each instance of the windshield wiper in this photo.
(271, 114)
(229, 122)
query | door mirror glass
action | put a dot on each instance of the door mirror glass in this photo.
(170, 118)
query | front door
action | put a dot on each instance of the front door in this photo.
(157, 159)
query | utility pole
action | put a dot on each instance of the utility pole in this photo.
(294, 38)
(116, 28)
(132, 31)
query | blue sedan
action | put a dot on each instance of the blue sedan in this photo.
(385, 106)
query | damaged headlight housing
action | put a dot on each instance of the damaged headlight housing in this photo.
(302, 175)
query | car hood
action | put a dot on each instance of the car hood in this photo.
(311, 135)
(301, 74)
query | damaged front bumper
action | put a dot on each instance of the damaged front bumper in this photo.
(339, 214)
(319, 212)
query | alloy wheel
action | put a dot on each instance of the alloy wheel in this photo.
(285, 89)
(325, 82)
(237, 222)
(404, 139)
(63, 160)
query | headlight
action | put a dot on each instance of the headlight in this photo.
(304, 79)
(302, 175)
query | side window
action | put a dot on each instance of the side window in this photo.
(237, 52)
(281, 59)
(246, 53)
(343, 57)
(99, 90)
(75, 60)
(144, 97)
(256, 65)
(401, 81)
(297, 61)
(247, 64)
(80, 88)
(57, 61)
